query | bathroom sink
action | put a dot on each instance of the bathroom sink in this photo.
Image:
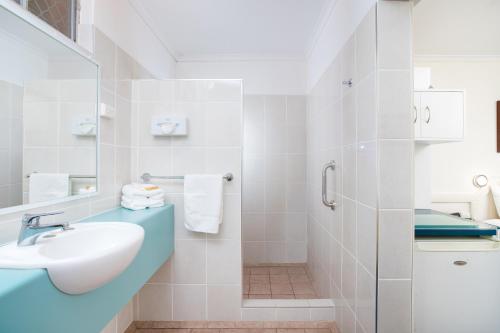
(80, 259)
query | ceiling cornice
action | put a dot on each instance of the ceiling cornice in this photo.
(325, 16)
(147, 19)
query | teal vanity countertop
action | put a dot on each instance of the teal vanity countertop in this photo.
(30, 303)
(430, 223)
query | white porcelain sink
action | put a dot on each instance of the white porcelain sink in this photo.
(81, 259)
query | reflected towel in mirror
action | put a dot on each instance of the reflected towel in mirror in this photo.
(48, 186)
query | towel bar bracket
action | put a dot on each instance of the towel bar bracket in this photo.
(147, 177)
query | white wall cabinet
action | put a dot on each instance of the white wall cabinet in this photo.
(438, 115)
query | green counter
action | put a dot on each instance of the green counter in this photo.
(29, 302)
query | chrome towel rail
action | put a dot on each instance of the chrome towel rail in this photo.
(146, 177)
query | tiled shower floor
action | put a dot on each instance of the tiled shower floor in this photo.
(277, 282)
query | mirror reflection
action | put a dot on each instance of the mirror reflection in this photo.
(48, 121)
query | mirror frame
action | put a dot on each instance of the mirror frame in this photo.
(43, 27)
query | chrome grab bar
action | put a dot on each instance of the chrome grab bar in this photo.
(146, 177)
(324, 196)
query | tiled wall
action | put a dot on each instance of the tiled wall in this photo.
(274, 179)
(342, 126)
(50, 110)
(203, 278)
(11, 144)
(118, 69)
(395, 142)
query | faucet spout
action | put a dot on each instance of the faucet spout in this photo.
(31, 228)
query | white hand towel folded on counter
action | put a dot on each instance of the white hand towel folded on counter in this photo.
(141, 190)
(138, 206)
(142, 196)
(203, 202)
(48, 186)
(143, 201)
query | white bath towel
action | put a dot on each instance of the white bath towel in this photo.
(48, 186)
(141, 190)
(203, 203)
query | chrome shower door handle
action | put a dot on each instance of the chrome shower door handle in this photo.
(324, 189)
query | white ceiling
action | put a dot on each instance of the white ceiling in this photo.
(235, 29)
(457, 27)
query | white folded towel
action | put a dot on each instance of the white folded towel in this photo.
(141, 196)
(137, 206)
(141, 190)
(142, 201)
(203, 203)
(48, 186)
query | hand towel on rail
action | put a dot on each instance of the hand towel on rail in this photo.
(203, 202)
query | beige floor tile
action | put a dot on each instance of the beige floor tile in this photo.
(290, 330)
(282, 278)
(299, 278)
(305, 296)
(259, 279)
(282, 288)
(296, 270)
(262, 296)
(259, 270)
(278, 296)
(260, 288)
(302, 288)
(249, 330)
(318, 330)
(278, 270)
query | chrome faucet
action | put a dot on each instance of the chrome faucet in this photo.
(31, 228)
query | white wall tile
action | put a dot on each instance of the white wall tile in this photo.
(394, 306)
(223, 258)
(189, 302)
(396, 158)
(366, 285)
(367, 173)
(190, 261)
(395, 244)
(394, 35)
(395, 116)
(367, 237)
(224, 303)
(155, 302)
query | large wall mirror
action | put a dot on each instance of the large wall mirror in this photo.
(48, 115)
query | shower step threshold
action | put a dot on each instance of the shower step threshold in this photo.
(289, 303)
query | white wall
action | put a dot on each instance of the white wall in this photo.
(477, 153)
(274, 179)
(119, 21)
(259, 77)
(342, 21)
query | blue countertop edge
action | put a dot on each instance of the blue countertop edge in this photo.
(30, 290)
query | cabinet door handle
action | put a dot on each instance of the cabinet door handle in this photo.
(324, 190)
(428, 109)
(416, 114)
